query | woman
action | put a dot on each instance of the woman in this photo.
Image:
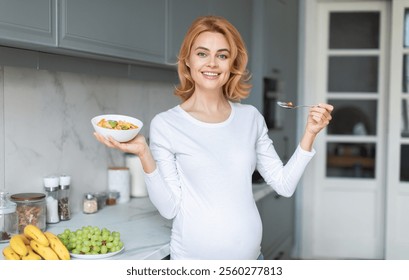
(203, 152)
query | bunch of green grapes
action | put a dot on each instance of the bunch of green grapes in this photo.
(91, 240)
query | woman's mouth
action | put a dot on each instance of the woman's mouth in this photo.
(211, 74)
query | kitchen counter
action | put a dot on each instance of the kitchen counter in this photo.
(145, 233)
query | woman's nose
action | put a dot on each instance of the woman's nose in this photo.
(212, 61)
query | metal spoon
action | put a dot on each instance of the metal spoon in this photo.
(290, 105)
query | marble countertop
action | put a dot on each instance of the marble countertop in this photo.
(145, 233)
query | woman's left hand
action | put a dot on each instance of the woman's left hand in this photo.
(319, 117)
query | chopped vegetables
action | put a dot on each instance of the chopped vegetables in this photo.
(117, 125)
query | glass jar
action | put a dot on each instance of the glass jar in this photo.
(64, 208)
(51, 188)
(31, 209)
(112, 197)
(101, 199)
(8, 218)
(90, 204)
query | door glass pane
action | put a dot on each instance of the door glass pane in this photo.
(353, 74)
(353, 117)
(354, 30)
(356, 160)
(406, 28)
(405, 74)
(404, 163)
(405, 119)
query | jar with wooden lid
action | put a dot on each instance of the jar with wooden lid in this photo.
(31, 209)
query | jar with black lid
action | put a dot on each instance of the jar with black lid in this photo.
(31, 209)
(8, 218)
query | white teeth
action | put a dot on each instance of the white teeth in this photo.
(210, 74)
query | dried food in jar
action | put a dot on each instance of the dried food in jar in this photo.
(31, 209)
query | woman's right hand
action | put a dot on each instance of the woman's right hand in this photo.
(137, 146)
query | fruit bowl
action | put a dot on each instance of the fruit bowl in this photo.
(113, 129)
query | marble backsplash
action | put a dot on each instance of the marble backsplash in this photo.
(45, 126)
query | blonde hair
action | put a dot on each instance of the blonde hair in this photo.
(237, 86)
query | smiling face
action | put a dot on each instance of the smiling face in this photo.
(209, 62)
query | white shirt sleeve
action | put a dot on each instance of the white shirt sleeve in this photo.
(163, 184)
(282, 178)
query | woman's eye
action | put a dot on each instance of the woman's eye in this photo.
(201, 54)
(222, 56)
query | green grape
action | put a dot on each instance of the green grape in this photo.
(85, 249)
(104, 249)
(91, 240)
(76, 251)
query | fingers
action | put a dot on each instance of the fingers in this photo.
(321, 114)
(108, 142)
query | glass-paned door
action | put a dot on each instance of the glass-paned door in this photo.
(397, 234)
(352, 56)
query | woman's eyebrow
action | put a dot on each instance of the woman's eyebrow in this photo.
(206, 49)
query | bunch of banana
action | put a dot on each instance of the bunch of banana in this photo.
(35, 244)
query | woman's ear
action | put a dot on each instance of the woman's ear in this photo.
(187, 63)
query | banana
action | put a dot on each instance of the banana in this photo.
(9, 254)
(18, 246)
(31, 255)
(58, 247)
(34, 233)
(44, 251)
(25, 239)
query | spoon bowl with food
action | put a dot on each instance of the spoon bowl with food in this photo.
(122, 128)
(290, 105)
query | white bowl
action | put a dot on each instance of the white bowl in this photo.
(118, 135)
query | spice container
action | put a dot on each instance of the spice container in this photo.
(31, 209)
(64, 207)
(8, 218)
(90, 204)
(112, 197)
(101, 199)
(51, 187)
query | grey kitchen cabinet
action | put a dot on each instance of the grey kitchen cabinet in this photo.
(277, 214)
(183, 12)
(127, 29)
(27, 23)
(241, 18)
(137, 32)
(181, 15)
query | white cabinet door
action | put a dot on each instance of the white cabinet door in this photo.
(133, 30)
(27, 22)
(397, 234)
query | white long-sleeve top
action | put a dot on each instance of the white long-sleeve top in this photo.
(203, 180)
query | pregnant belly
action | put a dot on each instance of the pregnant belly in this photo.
(222, 234)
